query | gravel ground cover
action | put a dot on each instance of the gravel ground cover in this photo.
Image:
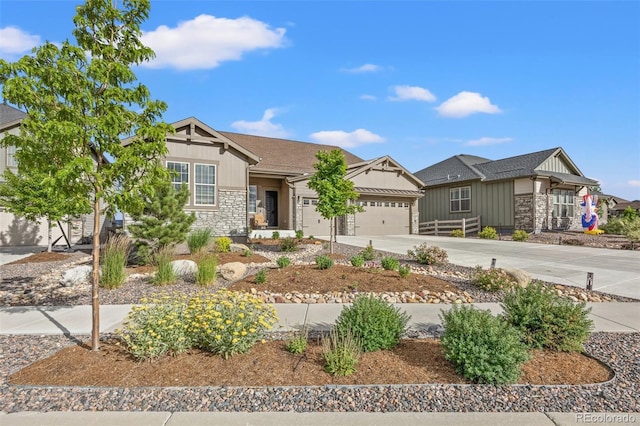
(620, 351)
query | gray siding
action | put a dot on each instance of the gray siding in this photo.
(555, 164)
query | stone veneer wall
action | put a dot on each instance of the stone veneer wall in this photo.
(231, 217)
(415, 218)
(524, 212)
(544, 214)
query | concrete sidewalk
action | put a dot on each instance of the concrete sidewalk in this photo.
(311, 419)
(76, 320)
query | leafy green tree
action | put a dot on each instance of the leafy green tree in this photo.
(162, 221)
(29, 196)
(80, 100)
(335, 193)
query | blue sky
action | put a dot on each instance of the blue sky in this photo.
(417, 80)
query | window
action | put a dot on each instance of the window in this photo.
(253, 197)
(563, 200)
(11, 156)
(179, 174)
(205, 185)
(460, 199)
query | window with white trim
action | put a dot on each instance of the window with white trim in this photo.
(11, 156)
(205, 185)
(253, 198)
(460, 199)
(179, 174)
(563, 200)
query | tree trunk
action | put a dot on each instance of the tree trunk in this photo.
(49, 237)
(95, 278)
(331, 230)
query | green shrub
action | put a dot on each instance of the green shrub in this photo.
(275, 235)
(481, 347)
(373, 322)
(157, 327)
(164, 269)
(613, 226)
(247, 253)
(207, 269)
(298, 343)
(547, 320)
(357, 261)
(629, 214)
(324, 262)
(144, 254)
(299, 234)
(261, 277)
(288, 245)
(283, 262)
(488, 233)
(113, 261)
(493, 279)
(198, 240)
(404, 271)
(368, 254)
(457, 233)
(223, 244)
(340, 353)
(428, 255)
(520, 235)
(228, 323)
(632, 229)
(390, 263)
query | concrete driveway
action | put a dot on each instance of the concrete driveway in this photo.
(614, 271)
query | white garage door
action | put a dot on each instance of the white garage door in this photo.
(383, 217)
(312, 221)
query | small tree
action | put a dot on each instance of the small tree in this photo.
(335, 193)
(162, 221)
(30, 196)
(80, 100)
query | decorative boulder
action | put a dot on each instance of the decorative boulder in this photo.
(76, 276)
(240, 248)
(521, 277)
(184, 267)
(233, 271)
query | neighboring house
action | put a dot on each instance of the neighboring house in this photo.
(537, 191)
(17, 231)
(621, 206)
(607, 206)
(234, 177)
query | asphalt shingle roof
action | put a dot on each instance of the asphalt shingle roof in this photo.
(285, 156)
(9, 114)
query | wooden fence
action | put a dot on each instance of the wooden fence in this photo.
(444, 227)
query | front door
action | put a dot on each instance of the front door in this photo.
(271, 207)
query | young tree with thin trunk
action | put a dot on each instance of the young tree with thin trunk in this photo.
(30, 197)
(80, 100)
(336, 195)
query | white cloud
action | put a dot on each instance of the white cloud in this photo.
(363, 69)
(412, 93)
(484, 141)
(346, 139)
(466, 103)
(206, 41)
(16, 41)
(633, 182)
(368, 97)
(263, 127)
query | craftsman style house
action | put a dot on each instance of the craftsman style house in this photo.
(240, 182)
(537, 191)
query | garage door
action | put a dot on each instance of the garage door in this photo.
(383, 217)
(312, 221)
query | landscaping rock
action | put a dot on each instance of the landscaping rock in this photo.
(233, 271)
(184, 267)
(77, 275)
(240, 248)
(521, 277)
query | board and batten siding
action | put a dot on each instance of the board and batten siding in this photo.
(493, 202)
(555, 164)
